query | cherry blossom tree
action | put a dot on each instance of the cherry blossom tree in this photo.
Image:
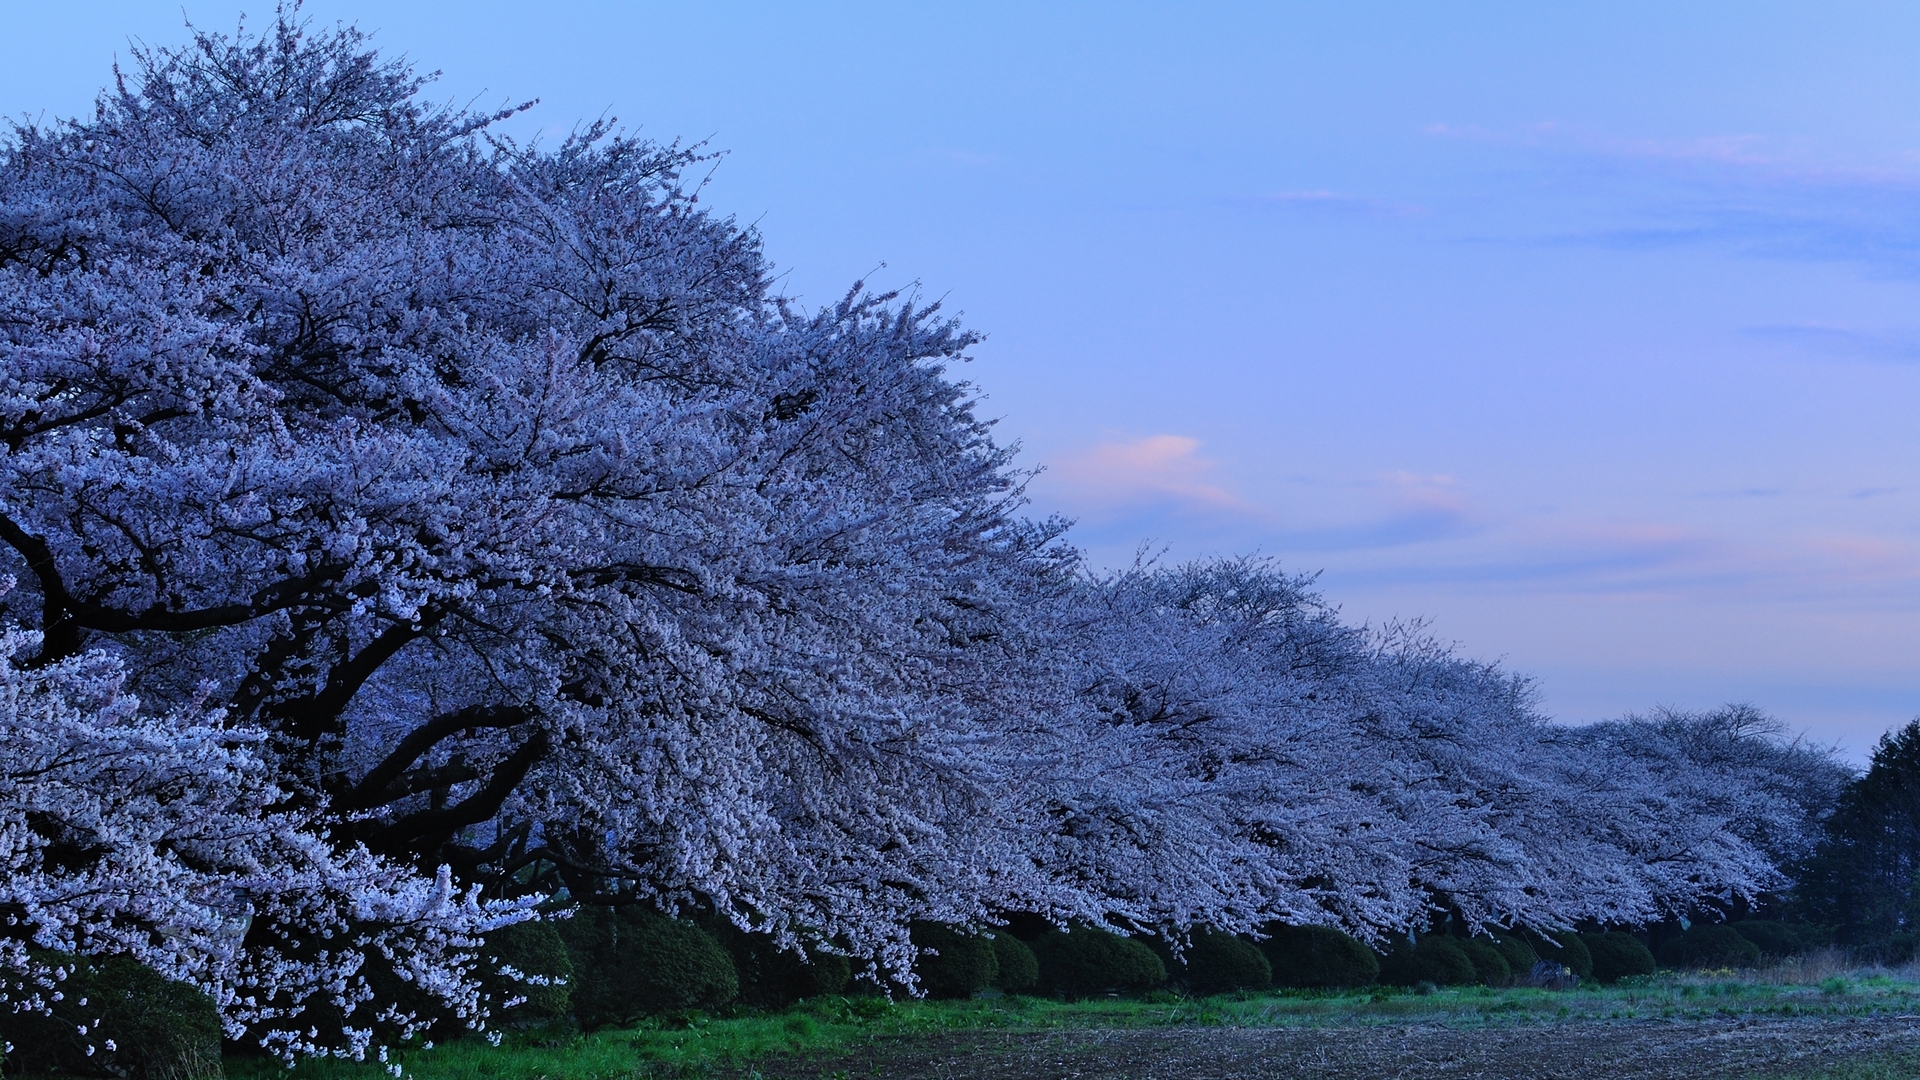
(1372, 780)
(166, 838)
(539, 542)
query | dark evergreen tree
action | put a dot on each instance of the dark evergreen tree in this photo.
(1860, 878)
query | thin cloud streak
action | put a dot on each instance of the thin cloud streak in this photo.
(1335, 201)
(1839, 341)
(1838, 571)
(1756, 196)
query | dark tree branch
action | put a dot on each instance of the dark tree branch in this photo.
(64, 616)
(312, 716)
(372, 790)
(59, 634)
(295, 592)
(666, 576)
(419, 780)
(414, 831)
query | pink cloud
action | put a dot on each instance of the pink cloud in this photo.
(1158, 468)
(1435, 494)
(1869, 558)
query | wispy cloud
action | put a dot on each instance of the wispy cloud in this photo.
(1427, 529)
(1678, 563)
(1586, 558)
(1839, 341)
(1759, 196)
(1129, 483)
(1407, 508)
(1868, 227)
(1334, 201)
(1755, 155)
(1157, 469)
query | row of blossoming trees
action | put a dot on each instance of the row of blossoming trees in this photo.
(406, 526)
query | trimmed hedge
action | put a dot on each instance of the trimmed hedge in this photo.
(1519, 955)
(1709, 946)
(530, 948)
(960, 964)
(1318, 957)
(637, 962)
(1780, 938)
(1565, 948)
(1617, 956)
(1489, 967)
(160, 1029)
(1216, 962)
(1088, 961)
(1434, 958)
(1019, 968)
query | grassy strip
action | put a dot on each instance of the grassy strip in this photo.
(828, 1026)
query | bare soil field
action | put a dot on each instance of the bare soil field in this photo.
(1870, 1046)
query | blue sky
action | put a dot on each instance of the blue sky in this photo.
(1588, 335)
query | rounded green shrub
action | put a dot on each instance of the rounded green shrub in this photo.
(159, 1029)
(953, 963)
(1617, 956)
(1780, 938)
(1709, 946)
(1088, 961)
(1434, 958)
(1019, 968)
(1519, 955)
(636, 962)
(1318, 957)
(1565, 948)
(784, 977)
(771, 977)
(1216, 962)
(533, 949)
(1489, 967)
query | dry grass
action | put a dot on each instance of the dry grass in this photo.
(1812, 969)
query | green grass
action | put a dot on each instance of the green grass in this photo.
(689, 1046)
